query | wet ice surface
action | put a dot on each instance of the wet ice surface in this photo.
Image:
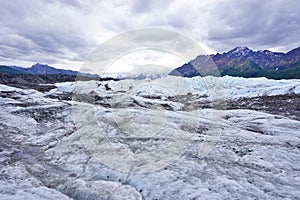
(123, 140)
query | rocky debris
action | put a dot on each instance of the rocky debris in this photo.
(284, 105)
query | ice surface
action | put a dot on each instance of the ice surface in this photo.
(133, 140)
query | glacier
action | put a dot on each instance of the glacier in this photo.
(168, 138)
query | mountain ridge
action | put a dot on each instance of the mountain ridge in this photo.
(245, 62)
(42, 69)
(40, 74)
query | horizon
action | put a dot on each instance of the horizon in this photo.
(119, 61)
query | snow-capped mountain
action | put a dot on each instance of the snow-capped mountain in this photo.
(265, 59)
(245, 62)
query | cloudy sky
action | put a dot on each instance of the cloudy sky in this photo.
(63, 33)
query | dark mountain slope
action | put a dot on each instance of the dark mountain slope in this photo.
(10, 70)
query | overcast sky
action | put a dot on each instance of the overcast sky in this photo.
(63, 33)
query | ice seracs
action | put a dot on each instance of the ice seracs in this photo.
(234, 87)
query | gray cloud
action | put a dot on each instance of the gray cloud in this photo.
(36, 28)
(259, 24)
(138, 6)
(65, 32)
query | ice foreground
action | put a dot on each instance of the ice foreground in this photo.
(171, 138)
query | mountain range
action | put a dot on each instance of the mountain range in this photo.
(240, 61)
(41, 69)
(244, 62)
(39, 74)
